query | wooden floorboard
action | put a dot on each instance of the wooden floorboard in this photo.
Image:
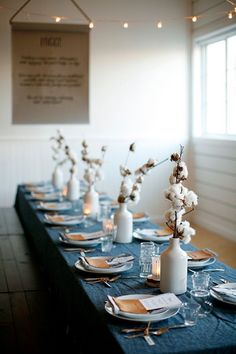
(27, 311)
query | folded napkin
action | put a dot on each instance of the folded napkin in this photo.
(139, 215)
(200, 255)
(61, 218)
(163, 232)
(45, 195)
(145, 305)
(83, 237)
(229, 292)
(107, 262)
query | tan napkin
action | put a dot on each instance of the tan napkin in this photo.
(138, 215)
(48, 205)
(55, 218)
(130, 305)
(39, 195)
(97, 262)
(80, 237)
(166, 231)
(200, 255)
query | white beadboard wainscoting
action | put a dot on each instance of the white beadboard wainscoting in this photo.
(30, 160)
(214, 168)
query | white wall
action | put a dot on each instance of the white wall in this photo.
(139, 91)
(213, 161)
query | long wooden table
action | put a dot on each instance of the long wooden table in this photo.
(81, 305)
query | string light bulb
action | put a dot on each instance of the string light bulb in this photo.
(194, 19)
(230, 16)
(58, 19)
(91, 25)
(159, 24)
(125, 25)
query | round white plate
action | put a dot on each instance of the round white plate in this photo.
(77, 221)
(152, 317)
(201, 264)
(55, 206)
(224, 298)
(85, 243)
(149, 235)
(79, 265)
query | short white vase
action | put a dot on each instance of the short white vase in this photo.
(123, 219)
(73, 188)
(174, 266)
(57, 178)
(91, 201)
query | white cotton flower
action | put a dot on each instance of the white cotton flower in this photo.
(184, 172)
(135, 197)
(152, 162)
(177, 203)
(126, 187)
(186, 239)
(99, 175)
(172, 179)
(73, 155)
(185, 231)
(139, 179)
(191, 199)
(89, 175)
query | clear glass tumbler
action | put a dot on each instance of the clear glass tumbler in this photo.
(147, 251)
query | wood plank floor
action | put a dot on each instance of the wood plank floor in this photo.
(225, 248)
(27, 311)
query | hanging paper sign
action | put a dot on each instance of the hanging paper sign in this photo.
(50, 73)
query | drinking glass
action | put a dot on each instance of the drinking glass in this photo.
(147, 251)
(104, 212)
(200, 292)
(190, 311)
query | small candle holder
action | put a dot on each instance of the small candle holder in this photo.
(153, 280)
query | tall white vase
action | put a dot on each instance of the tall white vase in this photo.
(57, 178)
(123, 219)
(91, 201)
(174, 266)
(73, 188)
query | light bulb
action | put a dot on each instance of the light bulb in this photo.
(125, 25)
(91, 25)
(159, 25)
(194, 19)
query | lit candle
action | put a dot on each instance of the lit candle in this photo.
(156, 267)
(107, 225)
(86, 210)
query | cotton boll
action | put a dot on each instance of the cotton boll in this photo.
(191, 199)
(172, 179)
(135, 197)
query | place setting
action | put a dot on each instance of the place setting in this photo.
(200, 258)
(157, 235)
(105, 264)
(63, 219)
(56, 206)
(140, 217)
(51, 196)
(81, 239)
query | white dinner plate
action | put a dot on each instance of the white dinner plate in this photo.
(112, 270)
(144, 217)
(201, 264)
(224, 298)
(80, 243)
(57, 206)
(152, 317)
(69, 222)
(149, 235)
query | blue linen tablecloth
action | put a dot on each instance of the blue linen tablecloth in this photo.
(82, 304)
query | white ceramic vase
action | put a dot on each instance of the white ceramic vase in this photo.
(57, 178)
(174, 267)
(123, 219)
(73, 188)
(91, 201)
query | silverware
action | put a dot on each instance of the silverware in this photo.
(70, 249)
(208, 270)
(156, 331)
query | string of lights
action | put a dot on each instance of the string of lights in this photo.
(159, 24)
